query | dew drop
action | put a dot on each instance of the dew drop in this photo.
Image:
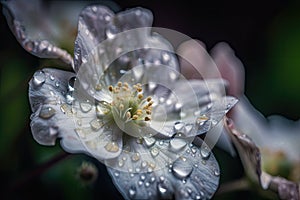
(151, 86)
(86, 106)
(178, 126)
(107, 18)
(122, 71)
(69, 99)
(57, 84)
(182, 114)
(182, 169)
(147, 184)
(162, 188)
(39, 78)
(140, 183)
(144, 164)
(132, 191)
(138, 72)
(205, 152)
(112, 147)
(152, 179)
(121, 163)
(137, 169)
(96, 124)
(177, 144)
(111, 32)
(71, 83)
(51, 77)
(135, 157)
(143, 177)
(117, 174)
(216, 172)
(94, 9)
(194, 150)
(47, 112)
(149, 141)
(154, 151)
(165, 57)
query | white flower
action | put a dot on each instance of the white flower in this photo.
(127, 105)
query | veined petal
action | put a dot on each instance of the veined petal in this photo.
(128, 59)
(39, 28)
(194, 174)
(192, 108)
(52, 116)
(91, 31)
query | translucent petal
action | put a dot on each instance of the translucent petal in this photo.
(39, 28)
(91, 31)
(197, 105)
(117, 60)
(194, 174)
(52, 116)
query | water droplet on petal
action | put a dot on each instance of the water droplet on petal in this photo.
(138, 72)
(182, 169)
(57, 84)
(162, 188)
(51, 77)
(121, 163)
(151, 86)
(47, 112)
(140, 183)
(132, 191)
(144, 164)
(165, 57)
(107, 18)
(205, 152)
(143, 177)
(178, 126)
(94, 9)
(86, 106)
(177, 144)
(39, 78)
(149, 141)
(111, 32)
(154, 151)
(96, 124)
(194, 150)
(216, 172)
(117, 174)
(69, 99)
(71, 83)
(112, 147)
(135, 157)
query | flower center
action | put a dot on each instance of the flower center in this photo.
(129, 109)
(129, 103)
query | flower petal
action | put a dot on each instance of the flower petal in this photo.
(126, 58)
(91, 31)
(193, 107)
(60, 112)
(30, 23)
(52, 115)
(193, 175)
(97, 23)
(251, 158)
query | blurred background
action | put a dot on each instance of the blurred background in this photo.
(265, 36)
